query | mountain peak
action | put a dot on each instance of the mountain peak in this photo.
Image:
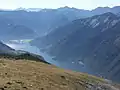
(65, 7)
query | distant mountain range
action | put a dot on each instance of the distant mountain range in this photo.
(101, 10)
(98, 10)
(94, 40)
(43, 21)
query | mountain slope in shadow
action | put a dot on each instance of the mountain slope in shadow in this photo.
(94, 41)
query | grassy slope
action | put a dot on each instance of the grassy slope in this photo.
(31, 75)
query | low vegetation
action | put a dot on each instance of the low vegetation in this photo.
(30, 75)
(25, 56)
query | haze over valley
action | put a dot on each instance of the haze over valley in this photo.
(86, 41)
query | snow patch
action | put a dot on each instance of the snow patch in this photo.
(97, 24)
(80, 62)
(73, 62)
(93, 22)
(110, 24)
(85, 22)
(104, 29)
(106, 19)
(114, 22)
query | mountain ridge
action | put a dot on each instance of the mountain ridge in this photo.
(94, 41)
(46, 20)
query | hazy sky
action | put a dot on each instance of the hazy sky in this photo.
(82, 4)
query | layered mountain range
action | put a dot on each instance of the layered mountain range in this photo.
(43, 21)
(94, 40)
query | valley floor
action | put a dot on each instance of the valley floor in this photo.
(30, 75)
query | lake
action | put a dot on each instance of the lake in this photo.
(23, 45)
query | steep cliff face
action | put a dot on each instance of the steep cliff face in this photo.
(94, 41)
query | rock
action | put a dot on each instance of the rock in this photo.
(42, 89)
(1, 88)
(9, 83)
(63, 77)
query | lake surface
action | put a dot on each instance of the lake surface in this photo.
(21, 45)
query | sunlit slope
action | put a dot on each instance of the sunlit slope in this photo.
(31, 75)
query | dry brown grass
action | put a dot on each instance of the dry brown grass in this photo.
(30, 75)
